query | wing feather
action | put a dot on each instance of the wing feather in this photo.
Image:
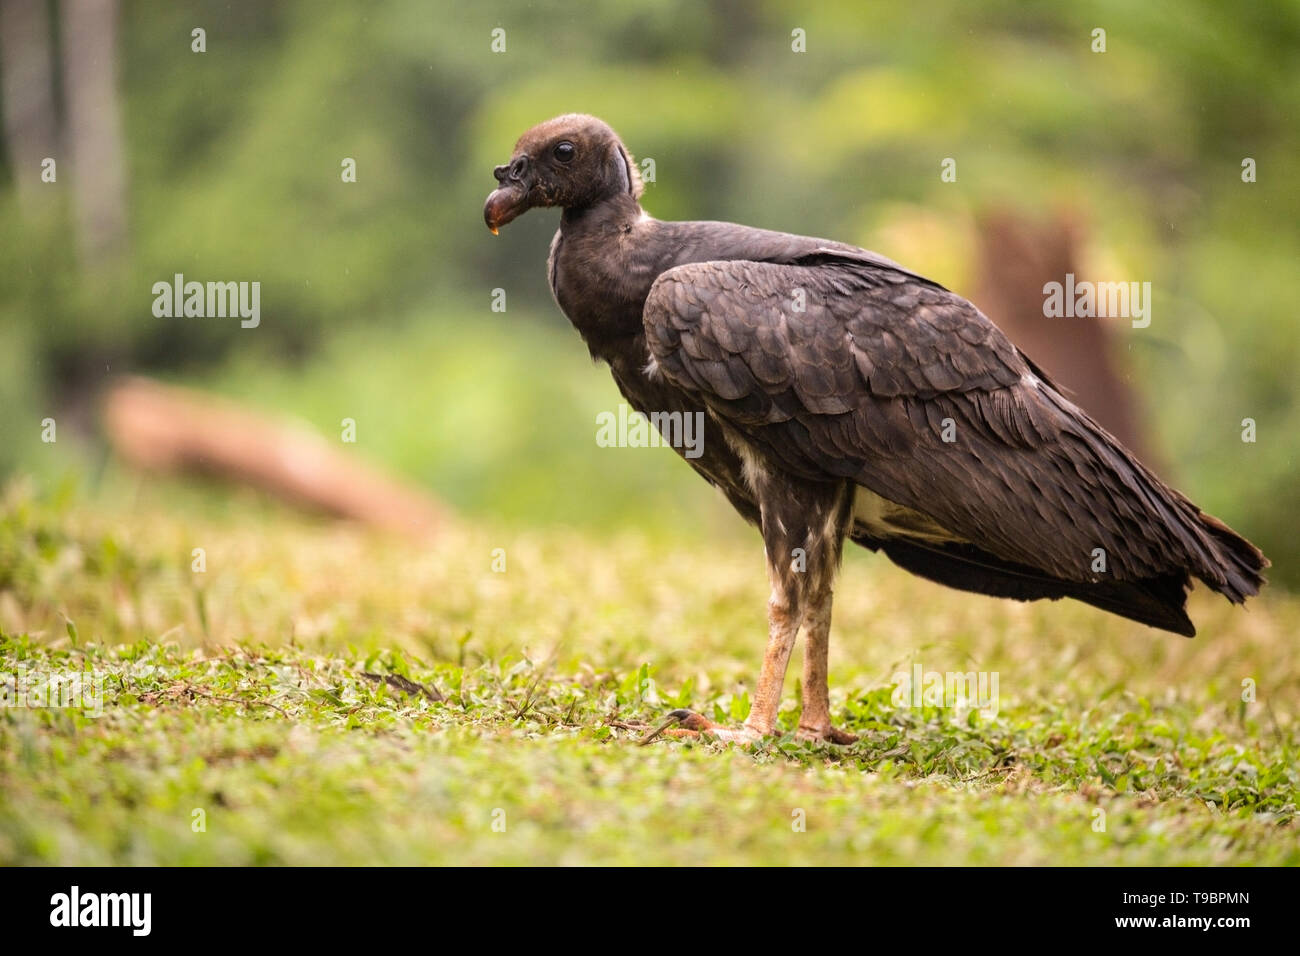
(880, 376)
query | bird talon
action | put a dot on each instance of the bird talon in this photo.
(689, 720)
(826, 735)
(688, 724)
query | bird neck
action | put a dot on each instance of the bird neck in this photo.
(616, 212)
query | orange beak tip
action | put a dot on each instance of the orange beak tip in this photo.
(494, 230)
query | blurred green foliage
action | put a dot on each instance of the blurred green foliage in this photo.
(377, 294)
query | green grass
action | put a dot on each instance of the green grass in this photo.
(239, 692)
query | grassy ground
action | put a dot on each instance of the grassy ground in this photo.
(237, 726)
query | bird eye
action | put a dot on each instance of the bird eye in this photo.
(564, 151)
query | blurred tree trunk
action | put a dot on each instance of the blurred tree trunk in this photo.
(27, 91)
(93, 132)
(1016, 258)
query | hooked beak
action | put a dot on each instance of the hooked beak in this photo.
(509, 200)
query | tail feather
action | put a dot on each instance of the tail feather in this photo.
(1157, 602)
(1201, 544)
(1162, 539)
(1241, 562)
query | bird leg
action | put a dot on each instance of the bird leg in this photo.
(815, 720)
(784, 614)
(803, 534)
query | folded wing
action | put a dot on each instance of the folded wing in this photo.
(834, 367)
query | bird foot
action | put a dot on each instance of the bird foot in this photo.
(689, 724)
(825, 735)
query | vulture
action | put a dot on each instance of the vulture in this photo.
(845, 396)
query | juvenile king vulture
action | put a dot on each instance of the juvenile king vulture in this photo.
(847, 397)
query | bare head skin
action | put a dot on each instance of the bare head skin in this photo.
(572, 161)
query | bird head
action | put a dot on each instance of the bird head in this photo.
(573, 161)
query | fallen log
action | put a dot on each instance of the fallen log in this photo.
(164, 428)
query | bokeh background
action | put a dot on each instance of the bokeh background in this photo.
(377, 295)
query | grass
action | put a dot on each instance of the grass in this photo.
(238, 727)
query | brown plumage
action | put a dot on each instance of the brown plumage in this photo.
(846, 396)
